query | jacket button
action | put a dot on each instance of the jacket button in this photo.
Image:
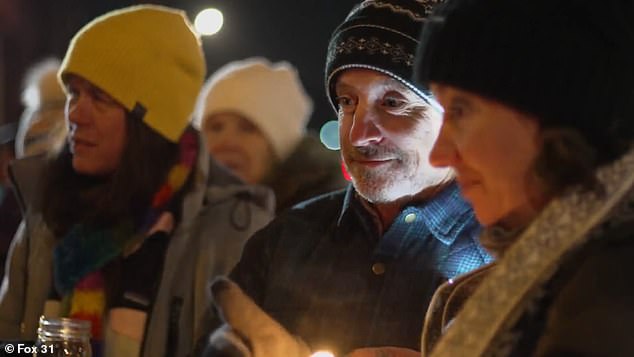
(410, 217)
(378, 268)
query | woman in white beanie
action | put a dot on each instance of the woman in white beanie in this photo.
(253, 114)
(42, 125)
(41, 129)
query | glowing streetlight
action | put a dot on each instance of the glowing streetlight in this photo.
(208, 22)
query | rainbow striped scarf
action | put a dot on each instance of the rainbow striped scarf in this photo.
(79, 257)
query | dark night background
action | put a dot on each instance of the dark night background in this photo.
(293, 30)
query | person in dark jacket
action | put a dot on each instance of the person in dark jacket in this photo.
(538, 125)
(356, 268)
(253, 114)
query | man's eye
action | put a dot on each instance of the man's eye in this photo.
(345, 103)
(343, 100)
(392, 102)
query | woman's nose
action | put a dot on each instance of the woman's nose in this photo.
(78, 109)
(443, 153)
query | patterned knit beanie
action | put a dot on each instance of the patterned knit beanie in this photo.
(148, 58)
(268, 94)
(568, 62)
(380, 35)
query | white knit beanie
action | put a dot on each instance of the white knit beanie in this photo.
(270, 95)
(42, 126)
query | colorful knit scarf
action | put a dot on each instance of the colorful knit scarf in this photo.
(84, 251)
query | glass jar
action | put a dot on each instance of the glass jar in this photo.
(63, 337)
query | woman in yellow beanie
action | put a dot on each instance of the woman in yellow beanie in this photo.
(125, 226)
(253, 114)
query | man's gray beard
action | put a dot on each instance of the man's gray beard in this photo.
(374, 196)
(379, 187)
(388, 184)
(396, 187)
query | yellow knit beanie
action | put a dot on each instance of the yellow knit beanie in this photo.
(148, 58)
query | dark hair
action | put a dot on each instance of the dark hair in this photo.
(565, 160)
(69, 197)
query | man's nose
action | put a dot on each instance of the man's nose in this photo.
(365, 129)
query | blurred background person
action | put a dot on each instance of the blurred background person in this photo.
(125, 226)
(42, 126)
(253, 114)
(41, 129)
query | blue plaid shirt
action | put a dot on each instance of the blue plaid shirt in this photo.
(325, 273)
(442, 221)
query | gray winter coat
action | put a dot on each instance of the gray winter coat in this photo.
(219, 214)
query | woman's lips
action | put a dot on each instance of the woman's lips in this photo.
(235, 160)
(81, 144)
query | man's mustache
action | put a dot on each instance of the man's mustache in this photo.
(375, 152)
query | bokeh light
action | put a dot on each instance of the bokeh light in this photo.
(329, 135)
(209, 21)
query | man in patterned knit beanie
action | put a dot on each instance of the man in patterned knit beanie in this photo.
(357, 268)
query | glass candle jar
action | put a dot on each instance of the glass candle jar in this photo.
(63, 337)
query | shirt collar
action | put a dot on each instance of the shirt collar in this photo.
(446, 215)
(348, 202)
(353, 209)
